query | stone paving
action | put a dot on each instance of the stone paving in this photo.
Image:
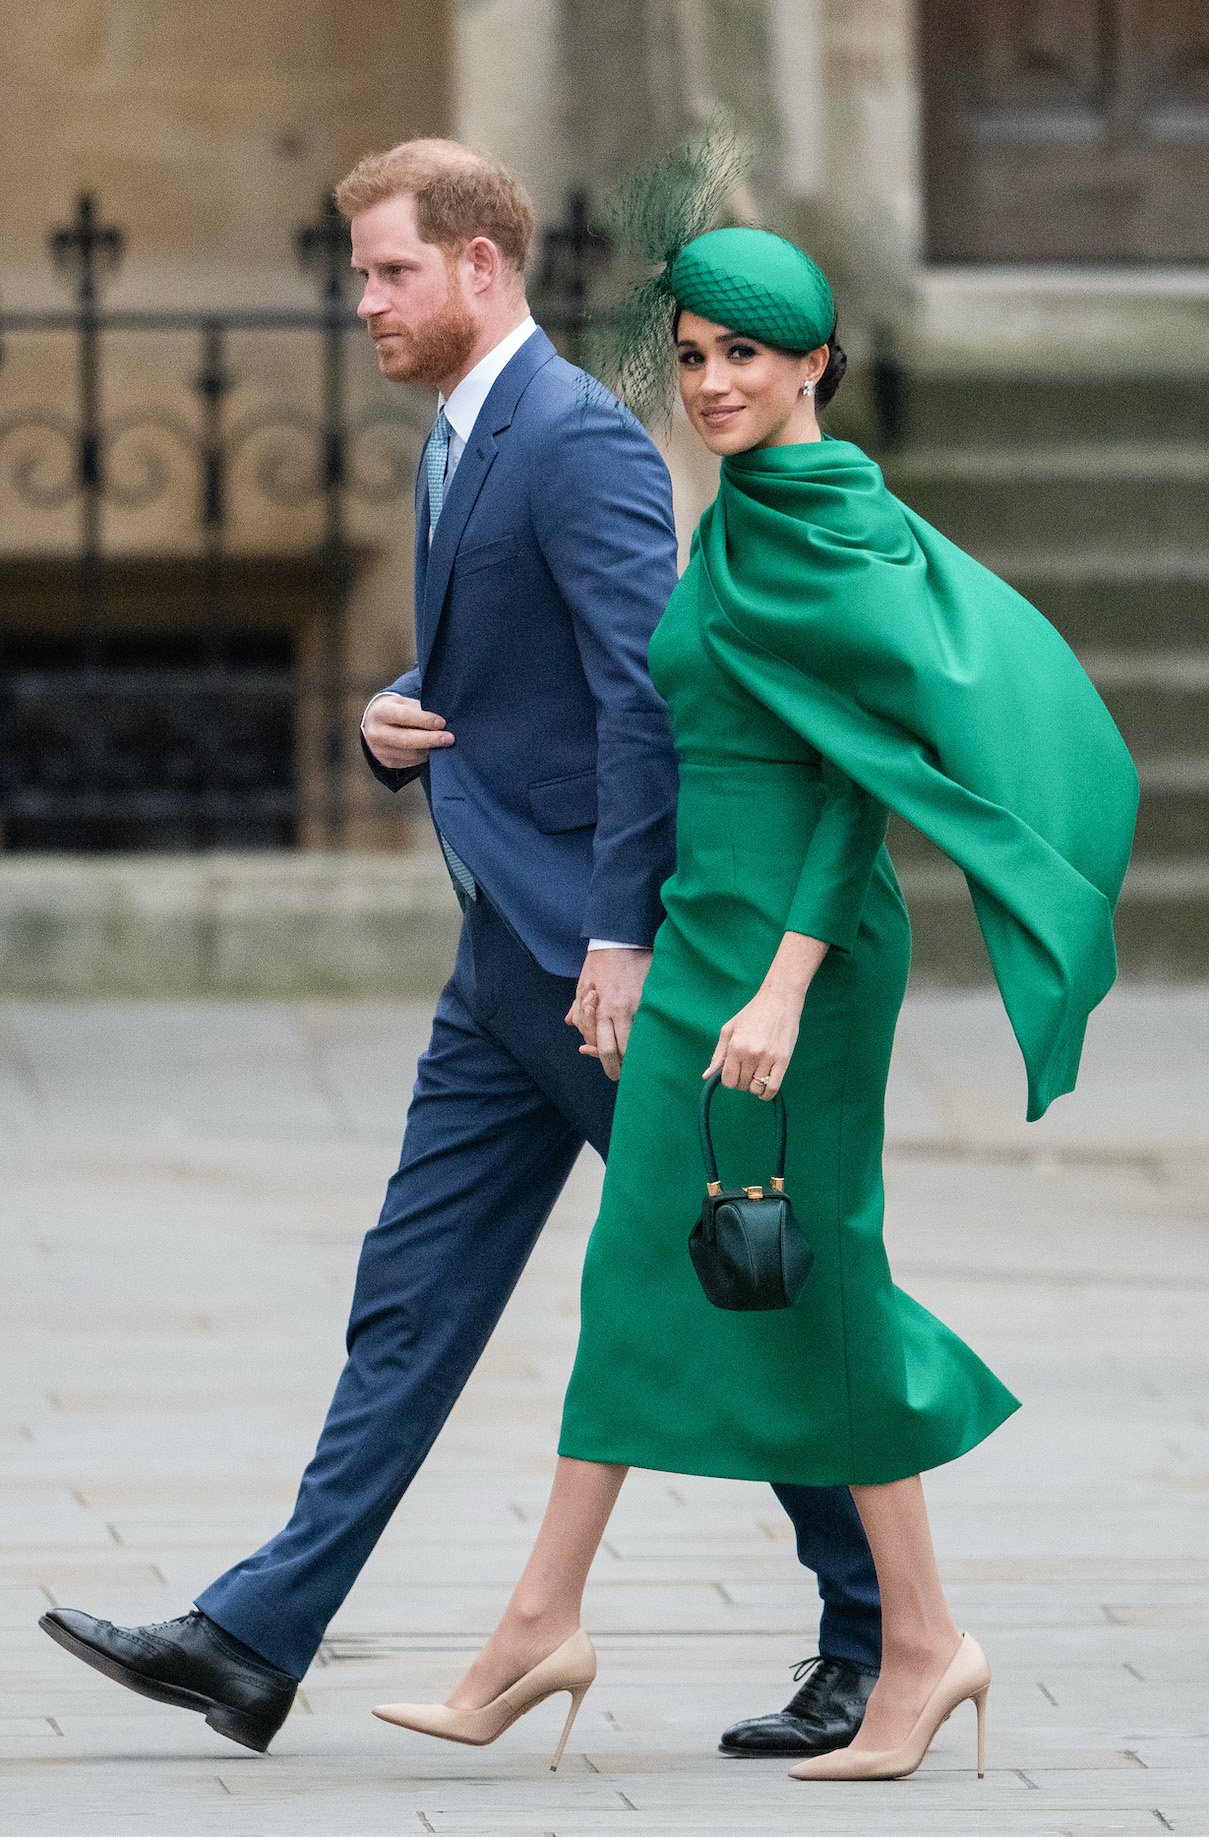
(182, 1191)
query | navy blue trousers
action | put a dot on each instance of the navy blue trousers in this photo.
(503, 1104)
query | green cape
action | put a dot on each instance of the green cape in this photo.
(943, 693)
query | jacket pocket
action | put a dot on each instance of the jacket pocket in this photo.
(564, 803)
(484, 555)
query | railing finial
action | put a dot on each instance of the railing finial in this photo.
(87, 250)
(322, 247)
(571, 252)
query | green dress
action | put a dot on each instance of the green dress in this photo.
(824, 660)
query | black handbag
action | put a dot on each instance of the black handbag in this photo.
(747, 1246)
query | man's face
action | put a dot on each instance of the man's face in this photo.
(413, 303)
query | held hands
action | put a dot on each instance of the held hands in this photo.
(401, 734)
(755, 1046)
(610, 988)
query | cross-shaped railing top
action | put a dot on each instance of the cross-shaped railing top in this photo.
(323, 250)
(571, 250)
(87, 249)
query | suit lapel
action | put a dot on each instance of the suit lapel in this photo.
(460, 499)
(432, 576)
(421, 572)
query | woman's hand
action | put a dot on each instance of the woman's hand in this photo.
(606, 1000)
(755, 1046)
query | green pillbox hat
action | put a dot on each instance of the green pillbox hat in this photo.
(758, 283)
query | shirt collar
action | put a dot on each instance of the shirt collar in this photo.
(465, 402)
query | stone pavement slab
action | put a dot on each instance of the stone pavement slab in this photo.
(182, 1191)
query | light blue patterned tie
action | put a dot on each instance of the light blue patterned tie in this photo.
(463, 880)
(436, 460)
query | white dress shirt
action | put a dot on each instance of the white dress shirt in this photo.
(462, 410)
(465, 403)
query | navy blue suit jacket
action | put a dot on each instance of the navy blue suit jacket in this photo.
(553, 559)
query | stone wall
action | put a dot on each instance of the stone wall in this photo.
(208, 133)
(208, 129)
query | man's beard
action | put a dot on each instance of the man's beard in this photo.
(433, 350)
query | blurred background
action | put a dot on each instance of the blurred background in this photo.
(220, 937)
(205, 487)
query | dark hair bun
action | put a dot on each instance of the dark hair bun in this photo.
(833, 375)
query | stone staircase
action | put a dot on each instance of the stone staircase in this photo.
(1092, 498)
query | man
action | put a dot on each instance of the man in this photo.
(545, 553)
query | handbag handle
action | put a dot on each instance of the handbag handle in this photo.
(707, 1145)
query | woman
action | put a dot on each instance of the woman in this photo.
(826, 657)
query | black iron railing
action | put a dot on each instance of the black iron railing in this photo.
(185, 730)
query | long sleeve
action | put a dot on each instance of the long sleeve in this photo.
(951, 700)
(393, 777)
(839, 862)
(602, 510)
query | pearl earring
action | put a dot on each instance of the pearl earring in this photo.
(806, 389)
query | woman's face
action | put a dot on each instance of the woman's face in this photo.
(739, 393)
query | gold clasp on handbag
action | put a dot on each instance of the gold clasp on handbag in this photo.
(747, 1247)
(714, 1188)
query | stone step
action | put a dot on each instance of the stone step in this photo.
(1162, 923)
(1173, 818)
(941, 408)
(1089, 495)
(226, 925)
(305, 925)
(1126, 601)
(1072, 497)
(1159, 700)
(1173, 815)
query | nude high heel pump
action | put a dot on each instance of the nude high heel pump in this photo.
(968, 1676)
(571, 1667)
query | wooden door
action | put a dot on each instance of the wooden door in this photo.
(1066, 130)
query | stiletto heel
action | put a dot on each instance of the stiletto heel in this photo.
(980, 1704)
(572, 1666)
(968, 1676)
(577, 1697)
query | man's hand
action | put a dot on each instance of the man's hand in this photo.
(610, 988)
(401, 734)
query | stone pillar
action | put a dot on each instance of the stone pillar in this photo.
(825, 93)
(512, 93)
(848, 94)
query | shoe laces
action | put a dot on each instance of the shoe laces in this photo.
(810, 1679)
(163, 1626)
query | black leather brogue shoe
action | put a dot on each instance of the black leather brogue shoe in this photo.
(823, 1715)
(190, 1663)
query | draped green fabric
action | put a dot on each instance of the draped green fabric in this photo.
(946, 695)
